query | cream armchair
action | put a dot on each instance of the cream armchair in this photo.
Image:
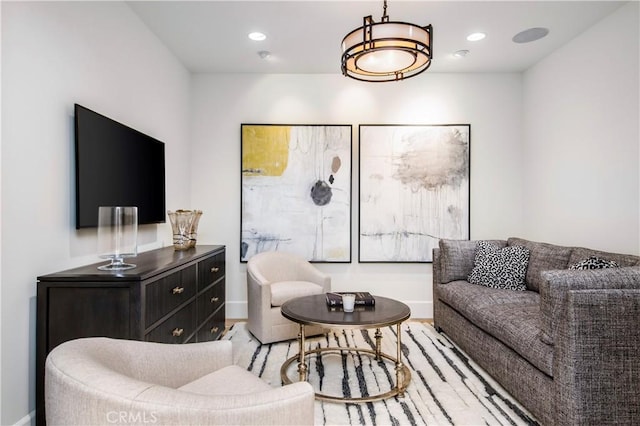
(101, 381)
(273, 278)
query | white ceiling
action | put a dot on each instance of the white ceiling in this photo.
(305, 36)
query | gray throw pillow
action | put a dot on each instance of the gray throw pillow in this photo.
(594, 262)
(503, 268)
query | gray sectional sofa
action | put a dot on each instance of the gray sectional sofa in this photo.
(567, 347)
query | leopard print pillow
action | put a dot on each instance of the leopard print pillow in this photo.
(504, 268)
(594, 262)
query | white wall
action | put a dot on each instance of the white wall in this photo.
(0, 224)
(100, 55)
(582, 141)
(55, 54)
(491, 103)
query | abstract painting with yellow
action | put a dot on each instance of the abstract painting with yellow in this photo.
(265, 150)
(296, 191)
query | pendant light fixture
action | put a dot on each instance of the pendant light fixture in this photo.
(387, 50)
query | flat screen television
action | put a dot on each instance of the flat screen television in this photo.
(116, 166)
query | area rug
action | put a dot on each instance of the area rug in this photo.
(447, 388)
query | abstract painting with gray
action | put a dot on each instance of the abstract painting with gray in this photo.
(414, 190)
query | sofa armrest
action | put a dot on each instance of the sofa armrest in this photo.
(436, 280)
(456, 259)
(556, 285)
(596, 363)
(436, 268)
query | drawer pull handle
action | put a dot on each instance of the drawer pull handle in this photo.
(177, 332)
(178, 290)
(214, 330)
(215, 269)
(214, 299)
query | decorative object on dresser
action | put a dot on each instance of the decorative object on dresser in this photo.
(170, 297)
(184, 224)
(117, 236)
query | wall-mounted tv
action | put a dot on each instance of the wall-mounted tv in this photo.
(116, 166)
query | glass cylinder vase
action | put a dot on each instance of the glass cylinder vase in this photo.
(117, 236)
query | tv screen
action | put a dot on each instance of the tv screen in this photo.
(116, 166)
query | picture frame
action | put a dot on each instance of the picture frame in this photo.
(414, 189)
(296, 190)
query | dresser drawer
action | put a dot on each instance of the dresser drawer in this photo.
(213, 328)
(168, 293)
(210, 270)
(210, 301)
(177, 328)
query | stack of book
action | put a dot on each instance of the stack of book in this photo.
(363, 298)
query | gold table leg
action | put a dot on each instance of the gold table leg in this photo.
(378, 336)
(302, 366)
(399, 366)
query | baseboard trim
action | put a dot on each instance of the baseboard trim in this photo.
(28, 420)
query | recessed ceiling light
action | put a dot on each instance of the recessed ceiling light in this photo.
(461, 53)
(476, 36)
(256, 36)
(532, 34)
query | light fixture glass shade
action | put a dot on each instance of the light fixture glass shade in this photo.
(117, 236)
(386, 51)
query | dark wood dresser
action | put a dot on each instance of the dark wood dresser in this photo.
(170, 297)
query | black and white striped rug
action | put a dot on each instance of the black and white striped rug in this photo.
(447, 388)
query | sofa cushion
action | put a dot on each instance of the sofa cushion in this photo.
(457, 258)
(578, 254)
(594, 262)
(543, 257)
(282, 291)
(512, 317)
(500, 267)
(230, 380)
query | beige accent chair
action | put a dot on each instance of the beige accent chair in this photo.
(102, 381)
(272, 279)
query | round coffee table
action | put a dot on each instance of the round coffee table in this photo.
(313, 310)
